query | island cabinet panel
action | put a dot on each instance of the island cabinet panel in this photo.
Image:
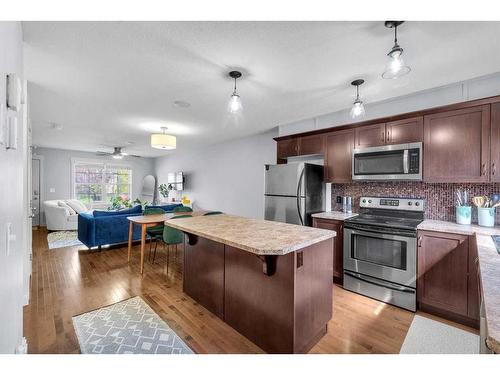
(445, 284)
(338, 245)
(456, 145)
(495, 143)
(338, 159)
(312, 144)
(473, 289)
(287, 147)
(203, 275)
(405, 131)
(370, 135)
(286, 312)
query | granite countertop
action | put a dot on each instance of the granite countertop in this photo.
(334, 215)
(489, 268)
(259, 237)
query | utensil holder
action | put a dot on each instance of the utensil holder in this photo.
(486, 216)
(463, 214)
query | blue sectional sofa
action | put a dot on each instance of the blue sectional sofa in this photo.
(99, 228)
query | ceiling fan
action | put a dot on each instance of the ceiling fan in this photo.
(116, 154)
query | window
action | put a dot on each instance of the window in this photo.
(99, 182)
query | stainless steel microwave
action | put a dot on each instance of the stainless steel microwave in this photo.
(393, 162)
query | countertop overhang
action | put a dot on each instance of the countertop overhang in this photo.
(260, 237)
(489, 270)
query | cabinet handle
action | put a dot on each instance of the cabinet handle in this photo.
(419, 242)
(483, 173)
(383, 135)
(388, 136)
(493, 169)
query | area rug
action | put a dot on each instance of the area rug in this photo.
(427, 336)
(63, 238)
(126, 327)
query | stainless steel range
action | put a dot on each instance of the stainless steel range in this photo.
(380, 250)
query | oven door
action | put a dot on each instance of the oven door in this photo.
(383, 254)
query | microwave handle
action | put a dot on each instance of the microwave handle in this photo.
(406, 168)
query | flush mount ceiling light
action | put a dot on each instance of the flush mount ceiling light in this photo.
(235, 105)
(163, 141)
(358, 109)
(395, 67)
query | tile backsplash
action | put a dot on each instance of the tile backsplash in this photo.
(439, 198)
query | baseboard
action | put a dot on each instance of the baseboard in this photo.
(457, 318)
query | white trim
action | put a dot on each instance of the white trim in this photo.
(105, 164)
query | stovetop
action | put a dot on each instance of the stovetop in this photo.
(386, 221)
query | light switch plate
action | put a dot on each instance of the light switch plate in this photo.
(52, 190)
(9, 237)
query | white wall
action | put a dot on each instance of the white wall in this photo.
(228, 177)
(56, 172)
(12, 204)
(458, 92)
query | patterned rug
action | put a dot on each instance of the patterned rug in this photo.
(126, 327)
(427, 336)
(63, 238)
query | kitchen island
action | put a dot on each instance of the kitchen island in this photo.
(270, 281)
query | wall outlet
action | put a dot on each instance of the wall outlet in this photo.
(339, 199)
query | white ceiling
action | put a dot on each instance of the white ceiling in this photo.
(110, 83)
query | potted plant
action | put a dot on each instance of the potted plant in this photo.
(123, 201)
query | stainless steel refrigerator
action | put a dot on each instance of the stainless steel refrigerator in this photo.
(293, 192)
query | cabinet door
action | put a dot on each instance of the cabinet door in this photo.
(312, 144)
(338, 160)
(370, 135)
(495, 143)
(473, 282)
(456, 145)
(288, 147)
(338, 245)
(405, 131)
(442, 271)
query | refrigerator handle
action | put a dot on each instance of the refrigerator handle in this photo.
(299, 188)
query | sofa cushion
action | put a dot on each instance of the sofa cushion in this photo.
(134, 210)
(68, 208)
(76, 205)
(167, 207)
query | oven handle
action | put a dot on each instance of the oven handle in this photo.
(383, 233)
(380, 283)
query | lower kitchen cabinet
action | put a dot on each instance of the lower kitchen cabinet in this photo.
(338, 245)
(447, 277)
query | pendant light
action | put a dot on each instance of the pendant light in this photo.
(235, 105)
(395, 67)
(358, 109)
(163, 141)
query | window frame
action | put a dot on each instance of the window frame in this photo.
(106, 165)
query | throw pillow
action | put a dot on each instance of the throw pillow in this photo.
(76, 205)
(69, 210)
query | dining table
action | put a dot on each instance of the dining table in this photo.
(145, 221)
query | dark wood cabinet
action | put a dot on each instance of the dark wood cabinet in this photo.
(287, 147)
(405, 131)
(338, 158)
(456, 145)
(446, 285)
(312, 144)
(473, 289)
(338, 245)
(370, 135)
(495, 143)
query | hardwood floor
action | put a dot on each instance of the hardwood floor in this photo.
(73, 280)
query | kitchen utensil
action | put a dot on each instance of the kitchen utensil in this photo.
(478, 201)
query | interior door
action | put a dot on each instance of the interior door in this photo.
(35, 191)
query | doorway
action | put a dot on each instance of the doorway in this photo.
(35, 191)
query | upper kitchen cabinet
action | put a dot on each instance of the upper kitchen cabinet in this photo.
(456, 145)
(287, 147)
(312, 144)
(405, 131)
(370, 135)
(495, 143)
(338, 158)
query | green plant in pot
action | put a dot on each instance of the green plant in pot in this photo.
(122, 201)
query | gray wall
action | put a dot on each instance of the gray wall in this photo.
(12, 203)
(228, 176)
(56, 172)
(458, 92)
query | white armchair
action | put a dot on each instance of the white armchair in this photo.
(59, 218)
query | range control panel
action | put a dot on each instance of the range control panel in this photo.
(406, 204)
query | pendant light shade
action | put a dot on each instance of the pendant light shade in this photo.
(234, 105)
(358, 109)
(163, 141)
(395, 66)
